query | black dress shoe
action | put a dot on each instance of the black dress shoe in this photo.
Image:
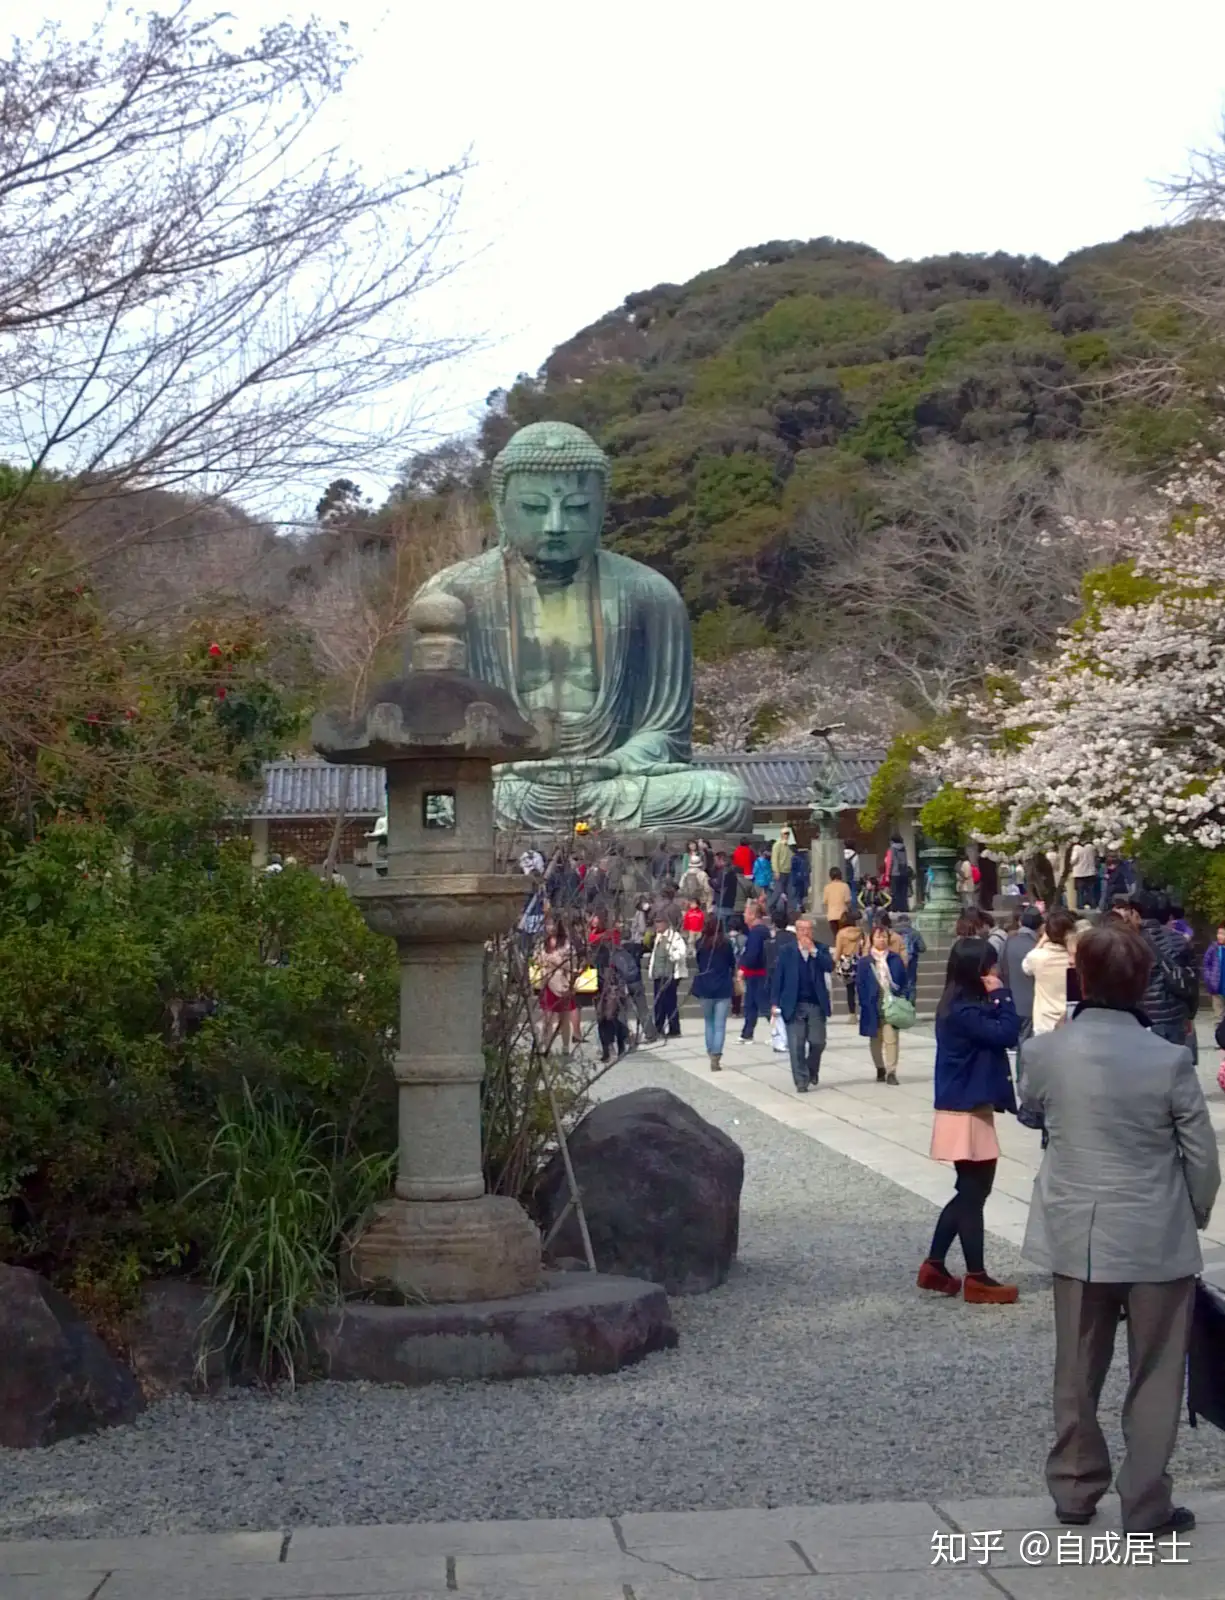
(1074, 1519)
(1180, 1520)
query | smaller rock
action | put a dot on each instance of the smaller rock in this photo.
(162, 1338)
(57, 1378)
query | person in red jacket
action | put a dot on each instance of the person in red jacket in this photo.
(743, 857)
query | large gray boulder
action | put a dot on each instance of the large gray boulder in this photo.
(661, 1191)
(57, 1378)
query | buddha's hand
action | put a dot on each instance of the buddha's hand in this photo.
(558, 771)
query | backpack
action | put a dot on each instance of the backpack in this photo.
(1182, 981)
(625, 966)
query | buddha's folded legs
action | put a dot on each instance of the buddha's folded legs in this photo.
(697, 799)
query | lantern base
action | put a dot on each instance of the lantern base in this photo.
(441, 1251)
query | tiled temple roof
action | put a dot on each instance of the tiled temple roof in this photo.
(311, 787)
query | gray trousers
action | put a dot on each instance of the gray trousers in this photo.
(806, 1043)
(1158, 1327)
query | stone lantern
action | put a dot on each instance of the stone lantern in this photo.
(438, 733)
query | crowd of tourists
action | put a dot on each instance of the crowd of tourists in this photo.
(1078, 1019)
(731, 926)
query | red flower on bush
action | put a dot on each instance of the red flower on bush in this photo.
(221, 691)
(92, 717)
(214, 649)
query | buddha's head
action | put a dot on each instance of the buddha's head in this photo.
(550, 486)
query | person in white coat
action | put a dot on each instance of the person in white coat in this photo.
(1047, 964)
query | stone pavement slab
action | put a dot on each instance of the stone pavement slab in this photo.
(876, 1550)
(592, 1536)
(169, 1551)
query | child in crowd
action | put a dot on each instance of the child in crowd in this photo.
(693, 922)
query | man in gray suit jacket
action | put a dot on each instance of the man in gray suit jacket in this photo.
(1130, 1174)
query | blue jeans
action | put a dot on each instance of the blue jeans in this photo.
(715, 1012)
(755, 1003)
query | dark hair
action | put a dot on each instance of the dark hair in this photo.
(1145, 902)
(779, 918)
(851, 919)
(1177, 911)
(1059, 924)
(969, 960)
(1164, 912)
(834, 872)
(970, 925)
(883, 921)
(1031, 918)
(713, 936)
(1113, 963)
(743, 840)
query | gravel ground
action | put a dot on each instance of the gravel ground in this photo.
(816, 1374)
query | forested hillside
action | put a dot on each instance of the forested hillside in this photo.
(766, 417)
(859, 470)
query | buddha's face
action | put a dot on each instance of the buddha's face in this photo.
(553, 519)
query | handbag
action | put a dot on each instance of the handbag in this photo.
(738, 985)
(1206, 1357)
(898, 1012)
(778, 1036)
(587, 982)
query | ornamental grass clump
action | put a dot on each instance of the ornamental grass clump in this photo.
(290, 1198)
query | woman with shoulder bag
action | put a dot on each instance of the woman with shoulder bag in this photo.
(976, 1026)
(880, 985)
(848, 947)
(557, 999)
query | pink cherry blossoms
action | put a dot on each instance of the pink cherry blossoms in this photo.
(1123, 729)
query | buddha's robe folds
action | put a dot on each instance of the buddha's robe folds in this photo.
(624, 761)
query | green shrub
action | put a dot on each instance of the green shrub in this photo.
(103, 938)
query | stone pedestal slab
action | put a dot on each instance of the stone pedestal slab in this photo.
(580, 1322)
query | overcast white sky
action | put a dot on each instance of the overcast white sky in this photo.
(621, 145)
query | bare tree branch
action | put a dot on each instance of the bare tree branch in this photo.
(971, 566)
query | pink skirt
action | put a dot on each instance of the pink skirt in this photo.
(965, 1136)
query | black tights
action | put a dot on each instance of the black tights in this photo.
(963, 1216)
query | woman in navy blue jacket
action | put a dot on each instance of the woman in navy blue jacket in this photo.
(976, 1026)
(880, 970)
(713, 985)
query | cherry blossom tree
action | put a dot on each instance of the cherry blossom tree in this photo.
(768, 699)
(1121, 733)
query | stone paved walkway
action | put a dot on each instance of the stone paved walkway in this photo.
(888, 1130)
(912, 1550)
